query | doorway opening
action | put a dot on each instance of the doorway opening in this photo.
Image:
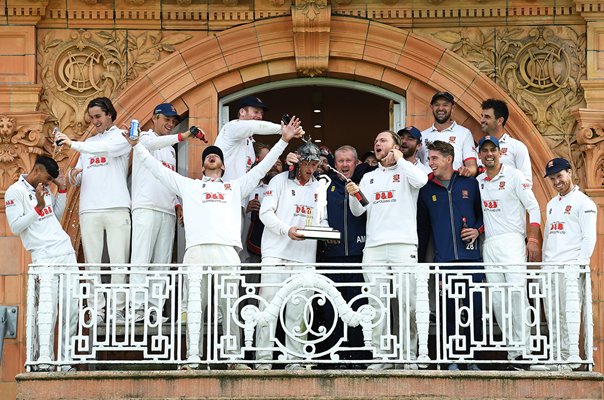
(333, 112)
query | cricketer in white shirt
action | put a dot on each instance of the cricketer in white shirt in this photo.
(506, 198)
(569, 237)
(392, 190)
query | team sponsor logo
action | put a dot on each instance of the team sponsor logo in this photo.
(465, 194)
(168, 165)
(396, 178)
(526, 186)
(31, 197)
(490, 205)
(268, 193)
(590, 211)
(333, 188)
(434, 198)
(502, 185)
(316, 197)
(386, 196)
(567, 209)
(212, 197)
(504, 151)
(371, 181)
(482, 185)
(46, 211)
(361, 239)
(452, 139)
(556, 227)
(227, 186)
(549, 211)
(293, 192)
(97, 161)
(301, 210)
(9, 203)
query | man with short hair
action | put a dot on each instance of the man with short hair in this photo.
(349, 249)
(392, 190)
(506, 198)
(155, 210)
(411, 146)
(451, 206)
(447, 130)
(212, 219)
(236, 141)
(102, 172)
(570, 237)
(514, 153)
(288, 205)
(34, 213)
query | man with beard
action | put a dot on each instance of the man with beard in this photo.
(349, 249)
(570, 236)
(411, 144)
(514, 153)
(506, 198)
(447, 130)
(392, 190)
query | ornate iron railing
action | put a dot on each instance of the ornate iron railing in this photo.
(174, 330)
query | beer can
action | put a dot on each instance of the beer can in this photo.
(134, 128)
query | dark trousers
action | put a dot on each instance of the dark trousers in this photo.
(458, 303)
(325, 313)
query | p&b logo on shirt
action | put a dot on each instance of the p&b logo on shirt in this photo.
(490, 204)
(556, 227)
(9, 203)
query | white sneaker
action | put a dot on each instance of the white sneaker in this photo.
(294, 367)
(379, 367)
(67, 368)
(264, 367)
(551, 367)
(411, 367)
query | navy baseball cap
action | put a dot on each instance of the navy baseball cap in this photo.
(252, 101)
(166, 109)
(411, 131)
(556, 165)
(212, 150)
(488, 138)
(442, 95)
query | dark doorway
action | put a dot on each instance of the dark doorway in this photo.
(332, 115)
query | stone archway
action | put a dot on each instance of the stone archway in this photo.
(194, 77)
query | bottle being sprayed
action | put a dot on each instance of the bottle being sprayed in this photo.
(464, 225)
(254, 216)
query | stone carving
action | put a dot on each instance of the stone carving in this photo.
(310, 8)
(90, 64)
(540, 68)
(19, 147)
(590, 137)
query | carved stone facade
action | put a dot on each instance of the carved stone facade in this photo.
(544, 58)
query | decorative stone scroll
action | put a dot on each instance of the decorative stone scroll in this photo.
(311, 25)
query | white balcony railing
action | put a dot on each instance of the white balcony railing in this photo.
(384, 298)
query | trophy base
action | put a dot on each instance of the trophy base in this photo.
(319, 233)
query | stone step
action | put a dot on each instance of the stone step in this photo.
(336, 385)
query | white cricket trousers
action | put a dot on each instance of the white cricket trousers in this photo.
(116, 223)
(152, 243)
(395, 253)
(224, 259)
(271, 282)
(559, 327)
(45, 319)
(509, 248)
